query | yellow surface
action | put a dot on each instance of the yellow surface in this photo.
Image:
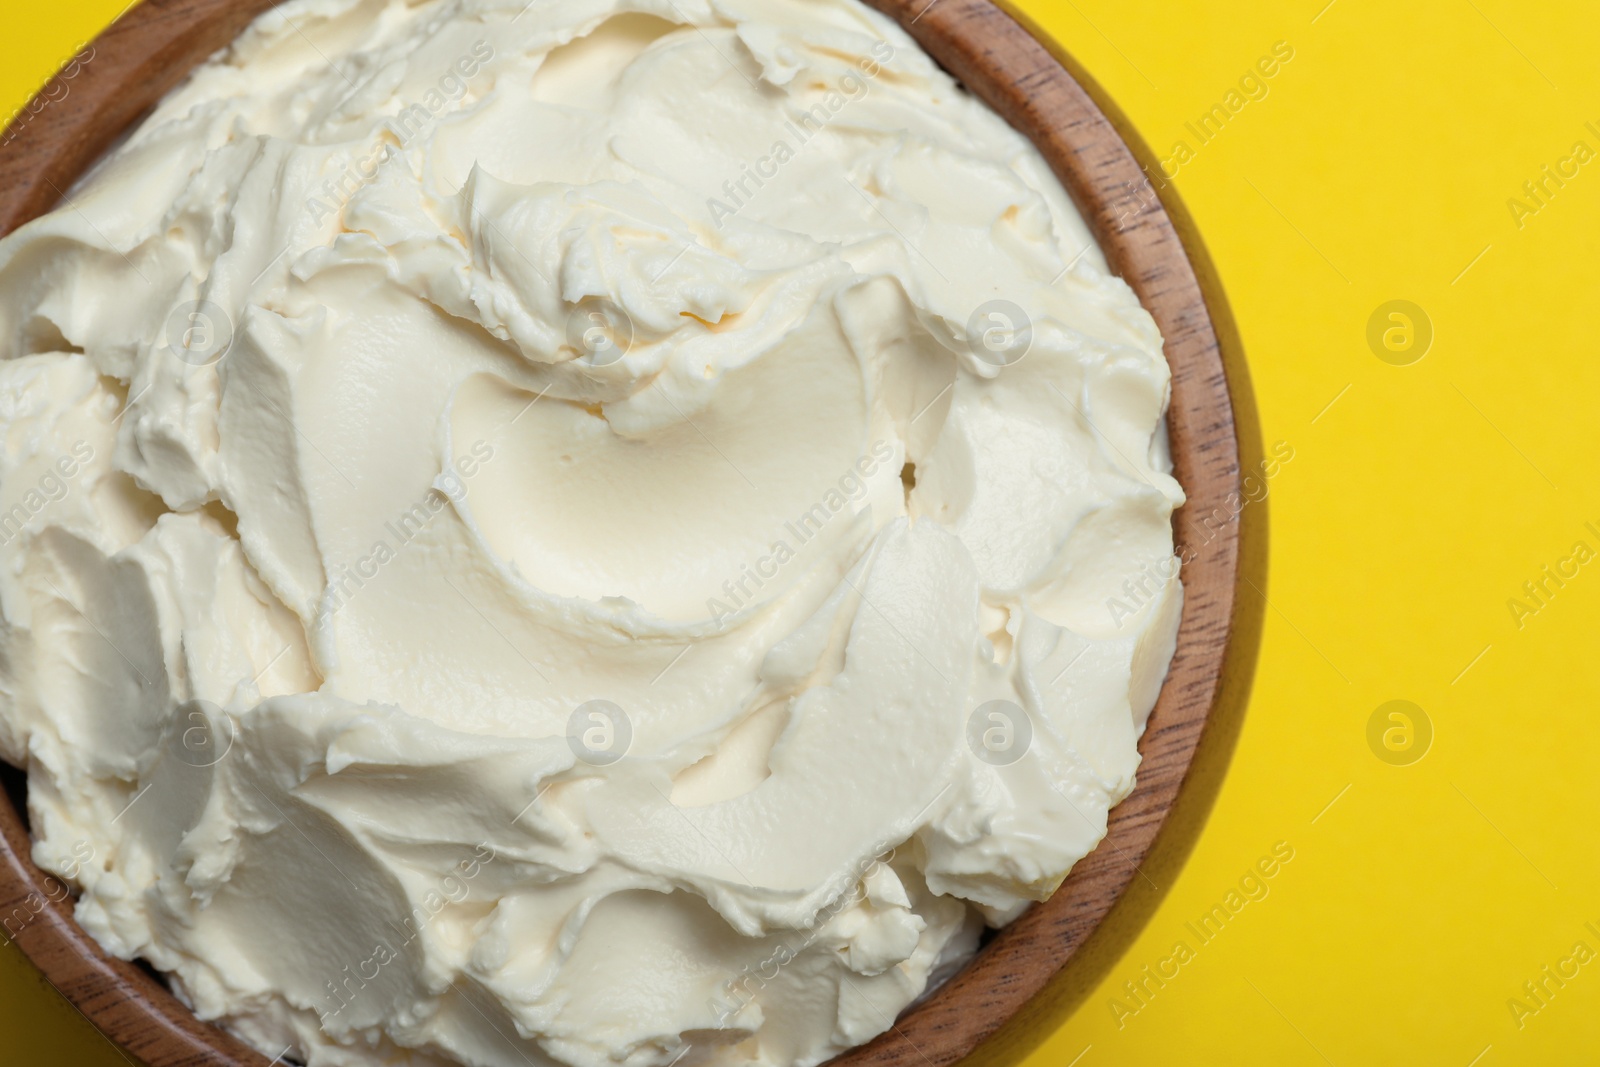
(1420, 897)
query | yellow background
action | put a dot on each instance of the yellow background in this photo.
(1377, 167)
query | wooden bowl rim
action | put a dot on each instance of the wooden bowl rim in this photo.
(157, 42)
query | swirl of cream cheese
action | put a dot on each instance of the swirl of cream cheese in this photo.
(597, 532)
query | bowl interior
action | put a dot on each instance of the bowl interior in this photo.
(156, 43)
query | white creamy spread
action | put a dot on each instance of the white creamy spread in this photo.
(528, 539)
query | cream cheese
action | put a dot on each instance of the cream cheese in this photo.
(592, 532)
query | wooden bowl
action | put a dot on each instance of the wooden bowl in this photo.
(156, 43)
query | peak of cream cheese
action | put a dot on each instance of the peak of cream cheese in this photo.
(583, 533)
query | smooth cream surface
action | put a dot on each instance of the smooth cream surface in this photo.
(514, 519)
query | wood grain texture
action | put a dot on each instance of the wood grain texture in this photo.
(157, 42)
